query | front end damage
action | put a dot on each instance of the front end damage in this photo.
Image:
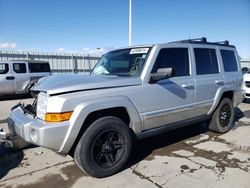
(8, 138)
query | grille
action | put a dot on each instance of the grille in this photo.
(31, 109)
(247, 84)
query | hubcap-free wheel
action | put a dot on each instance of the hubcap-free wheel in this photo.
(108, 148)
(104, 148)
(225, 115)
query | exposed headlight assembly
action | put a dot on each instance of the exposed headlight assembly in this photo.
(42, 101)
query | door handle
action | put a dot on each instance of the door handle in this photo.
(219, 82)
(10, 78)
(188, 86)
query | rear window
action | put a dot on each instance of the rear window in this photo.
(19, 67)
(229, 60)
(206, 61)
(4, 68)
(39, 67)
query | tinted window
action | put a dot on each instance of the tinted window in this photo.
(176, 58)
(39, 67)
(229, 60)
(4, 68)
(206, 61)
(19, 67)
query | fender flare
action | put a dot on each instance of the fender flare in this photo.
(217, 98)
(82, 111)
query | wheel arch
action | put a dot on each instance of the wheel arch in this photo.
(219, 96)
(87, 113)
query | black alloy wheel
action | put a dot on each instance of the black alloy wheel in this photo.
(108, 148)
(225, 115)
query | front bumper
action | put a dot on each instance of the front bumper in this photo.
(36, 131)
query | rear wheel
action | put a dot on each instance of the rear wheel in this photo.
(222, 119)
(104, 147)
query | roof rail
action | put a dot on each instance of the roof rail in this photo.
(225, 42)
(204, 40)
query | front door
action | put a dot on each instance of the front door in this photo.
(6, 79)
(169, 100)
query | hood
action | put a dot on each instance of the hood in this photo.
(66, 83)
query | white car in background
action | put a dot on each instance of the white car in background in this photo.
(18, 76)
(246, 84)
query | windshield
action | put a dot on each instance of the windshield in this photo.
(125, 62)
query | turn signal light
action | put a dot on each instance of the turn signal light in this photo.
(57, 117)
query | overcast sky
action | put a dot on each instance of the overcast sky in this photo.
(81, 26)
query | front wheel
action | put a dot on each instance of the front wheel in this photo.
(104, 147)
(222, 119)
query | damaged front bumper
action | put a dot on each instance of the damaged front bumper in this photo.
(12, 141)
(6, 140)
(33, 130)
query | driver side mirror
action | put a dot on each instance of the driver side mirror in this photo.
(161, 74)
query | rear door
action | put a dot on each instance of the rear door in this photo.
(21, 75)
(208, 77)
(6, 79)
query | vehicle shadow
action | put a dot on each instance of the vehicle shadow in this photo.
(145, 147)
(172, 140)
(9, 160)
(15, 97)
(238, 114)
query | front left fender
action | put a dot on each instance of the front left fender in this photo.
(82, 110)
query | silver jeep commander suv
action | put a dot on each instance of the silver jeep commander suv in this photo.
(131, 93)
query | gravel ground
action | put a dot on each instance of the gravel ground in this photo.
(188, 157)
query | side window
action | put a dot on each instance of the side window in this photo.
(176, 58)
(39, 67)
(229, 60)
(4, 68)
(19, 67)
(206, 61)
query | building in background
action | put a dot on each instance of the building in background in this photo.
(245, 63)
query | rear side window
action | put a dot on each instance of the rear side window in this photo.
(19, 67)
(4, 68)
(176, 58)
(39, 67)
(206, 61)
(229, 60)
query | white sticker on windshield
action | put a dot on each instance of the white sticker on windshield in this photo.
(139, 51)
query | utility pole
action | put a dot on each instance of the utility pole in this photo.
(130, 24)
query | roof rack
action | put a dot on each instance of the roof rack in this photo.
(203, 40)
(225, 42)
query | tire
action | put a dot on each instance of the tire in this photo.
(104, 148)
(223, 117)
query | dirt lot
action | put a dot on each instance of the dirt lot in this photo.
(188, 157)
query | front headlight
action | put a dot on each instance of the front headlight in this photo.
(42, 100)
